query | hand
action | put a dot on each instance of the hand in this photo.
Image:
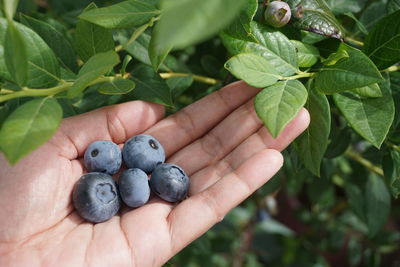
(218, 140)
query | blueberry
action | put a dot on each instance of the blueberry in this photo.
(169, 182)
(143, 152)
(96, 197)
(277, 14)
(134, 187)
(103, 156)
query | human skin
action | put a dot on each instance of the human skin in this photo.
(39, 227)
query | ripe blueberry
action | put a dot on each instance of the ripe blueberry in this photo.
(169, 182)
(96, 197)
(134, 187)
(103, 156)
(143, 152)
(277, 14)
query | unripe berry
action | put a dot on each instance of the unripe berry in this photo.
(277, 14)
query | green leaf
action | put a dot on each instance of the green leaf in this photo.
(27, 6)
(340, 140)
(140, 50)
(67, 106)
(393, 6)
(157, 52)
(240, 28)
(377, 204)
(125, 63)
(116, 87)
(55, 40)
(312, 144)
(351, 72)
(178, 85)
(356, 200)
(372, 117)
(28, 127)
(394, 134)
(150, 86)
(360, 26)
(391, 169)
(4, 112)
(15, 55)
(95, 67)
(91, 99)
(125, 14)
(321, 192)
(91, 39)
(278, 104)
(10, 7)
(201, 20)
(270, 44)
(43, 68)
(345, 6)
(315, 16)
(335, 57)
(253, 69)
(383, 43)
(314, 38)
(369, 91)
(307, 55)
(373, 13)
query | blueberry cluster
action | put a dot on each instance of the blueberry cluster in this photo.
(97, 197)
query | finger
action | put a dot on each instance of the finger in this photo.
(206, 177)
(197, 214)
(116, 123)
(146, 231)
(195, 120)
(221, 140)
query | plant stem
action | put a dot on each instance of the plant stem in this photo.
(395, 147)
(64, 86)
(37, 92)
(392, 68)
(366, 163)
(104, 79)
(6, 91)
(298, 76)
(198, 78)
(136, 34)
(353, 41)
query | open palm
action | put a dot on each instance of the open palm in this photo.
(218, 140)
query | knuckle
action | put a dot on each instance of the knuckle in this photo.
(115, 127)
(185, 121)
(212, 206)
(212, 145)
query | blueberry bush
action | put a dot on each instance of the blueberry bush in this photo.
(334, 202)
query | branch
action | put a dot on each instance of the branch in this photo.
(354, 41)
(298, 76)
(392, 68)
(366, 163)
(198, 78)
(64, 86)
(25, 92)
(136, 34)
